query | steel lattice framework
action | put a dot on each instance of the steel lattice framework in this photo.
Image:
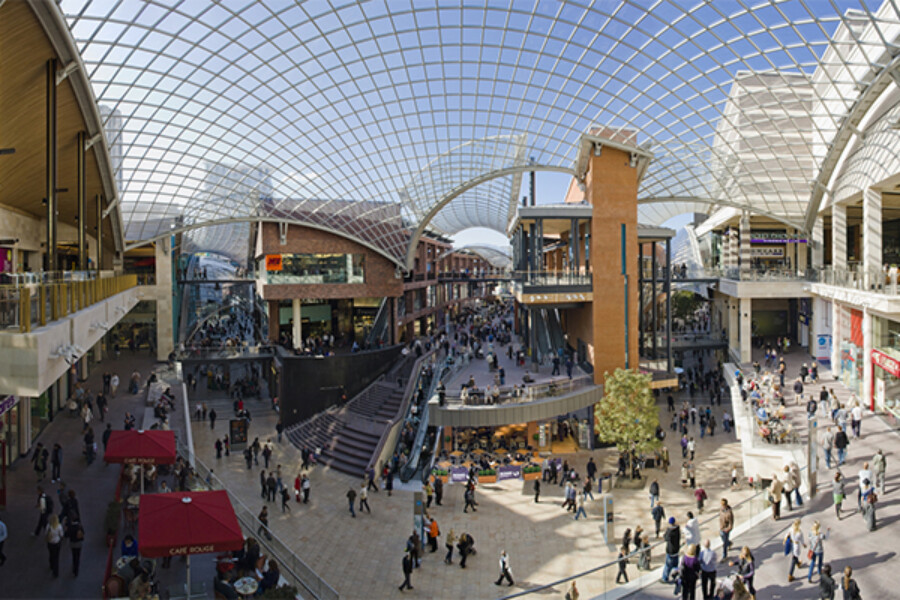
(439, 107)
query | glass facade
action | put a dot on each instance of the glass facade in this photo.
(319, 268)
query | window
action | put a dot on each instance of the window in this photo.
(319, 268)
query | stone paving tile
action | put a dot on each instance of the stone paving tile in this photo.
(361, 557)
(871, 554)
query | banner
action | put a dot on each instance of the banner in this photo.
(888, 363)
(509, 472)
(459, 475)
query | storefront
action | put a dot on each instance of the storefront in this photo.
(886, 380)
(9, 439)
(851, 348)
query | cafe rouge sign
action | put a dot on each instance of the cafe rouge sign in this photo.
(889, 364)
(182, 550)
(140, 461)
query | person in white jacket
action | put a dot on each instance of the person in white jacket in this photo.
(692, 530)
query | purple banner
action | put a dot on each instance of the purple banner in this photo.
(459, 475)
(509, 472)
(7, 403)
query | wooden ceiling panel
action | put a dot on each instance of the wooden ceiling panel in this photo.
(24, 52)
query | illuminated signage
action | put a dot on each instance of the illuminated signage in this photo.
(273, 262)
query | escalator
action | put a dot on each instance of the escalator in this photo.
(380, 325)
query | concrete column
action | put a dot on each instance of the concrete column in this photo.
(802, 250)
(165, 332)
(839, 237)
(871, 242)
(726, 248)
(745, 242)
(733, 324)
(867, 330)
(746, 316)
(297, 331)
(818, 241)
(274, 315)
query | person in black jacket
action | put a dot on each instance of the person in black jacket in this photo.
(658, 513)
(407, 571)
(654, 494)
(841, 441)
(673, 543)
(827, 586)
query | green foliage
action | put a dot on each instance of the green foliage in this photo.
(627, 416)
(684, 304)
(532, 469)
(283, 592)
(439, 472)
(487, 473)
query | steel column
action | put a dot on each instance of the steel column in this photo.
(653, 295)
(82, 202)
(640, 299)
(669, 365)
(51, 165)
(99, 233)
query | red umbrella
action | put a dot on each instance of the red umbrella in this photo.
(185, 523)
(154, 447)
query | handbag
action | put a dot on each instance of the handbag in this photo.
(809, 554)
(788, 545)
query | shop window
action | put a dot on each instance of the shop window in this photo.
(319, 268)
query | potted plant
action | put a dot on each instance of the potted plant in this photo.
(282, 592)
(487, 476)
(111, 521)
(441, 474)
(531, 472)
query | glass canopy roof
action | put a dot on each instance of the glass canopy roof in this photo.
(438, 108)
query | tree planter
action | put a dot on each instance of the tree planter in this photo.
(531, 476)
(487, 479)
(444, 478)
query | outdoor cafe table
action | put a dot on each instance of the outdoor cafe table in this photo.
(246, 586)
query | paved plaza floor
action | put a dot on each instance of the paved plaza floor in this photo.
(873, 555)
(361, 557)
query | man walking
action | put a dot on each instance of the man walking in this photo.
(75, 534)
(469, 497)
(351, 499)
(264, 523)
(726, 524)
(45, 507)
(438, 490)
(212, 419)
(828, 445)
(407, 571)
(504, 569)
(841, 441)
(658, 513)
(364, 498)
(673, 543)
(708, 565)
(654, 497)
(879, 466)
(56, 463)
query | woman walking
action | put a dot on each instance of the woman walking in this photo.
(54, 536)
(817, 548)
(690, 573)
(837, 491)
(851, 590)
(746, 569)
(448, 543)
(797, 543)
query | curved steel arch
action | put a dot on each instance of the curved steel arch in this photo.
(253, 219)
(717, 202)
(350, 101)
(423, 223)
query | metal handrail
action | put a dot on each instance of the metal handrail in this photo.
(289, 562)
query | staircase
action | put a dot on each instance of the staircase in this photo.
(348, 436)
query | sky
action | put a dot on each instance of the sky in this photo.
(353, 101)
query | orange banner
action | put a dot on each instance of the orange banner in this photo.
(273, 262)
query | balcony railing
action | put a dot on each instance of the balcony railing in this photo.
(776, 274)
(521, 395)
(554, 278)
(879, 281)
(42, 298)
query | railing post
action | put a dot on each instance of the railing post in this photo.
(24, 309)
(54, 302)
(42, 306)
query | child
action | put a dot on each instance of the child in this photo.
(734, 477)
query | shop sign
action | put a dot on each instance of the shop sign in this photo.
(509, 472)
(774, 237)
(7, 403)
(273, 262)
(823, 348)
(889, 364)
(459, 475)
(767, 252)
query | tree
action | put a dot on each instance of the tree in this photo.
(685, 304)
(627, 415)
